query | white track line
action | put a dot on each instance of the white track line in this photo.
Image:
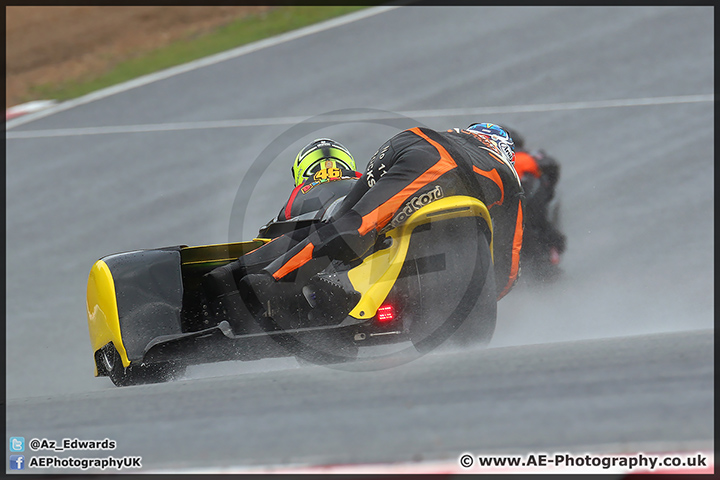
(204, 62)
(372, 115)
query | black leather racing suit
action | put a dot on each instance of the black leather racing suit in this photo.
(311, 196)
(416, 162)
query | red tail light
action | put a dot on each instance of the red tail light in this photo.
(386, 313)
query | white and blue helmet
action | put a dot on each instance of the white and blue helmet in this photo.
(498, 136)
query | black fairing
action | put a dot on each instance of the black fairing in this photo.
(149, 291)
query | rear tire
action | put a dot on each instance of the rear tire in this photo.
(109, 361)
(455, 306)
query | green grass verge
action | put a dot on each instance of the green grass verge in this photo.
(242, 31)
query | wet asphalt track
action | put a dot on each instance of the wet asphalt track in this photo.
(638, 211)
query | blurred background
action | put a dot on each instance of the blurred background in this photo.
(63, 51)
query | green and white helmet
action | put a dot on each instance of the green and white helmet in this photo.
(319, 154)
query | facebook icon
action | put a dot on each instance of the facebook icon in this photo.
(17, 462)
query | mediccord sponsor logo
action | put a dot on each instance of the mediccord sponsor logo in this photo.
(415, 204)
(66, 444)
(638, 461)
(85, 463)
